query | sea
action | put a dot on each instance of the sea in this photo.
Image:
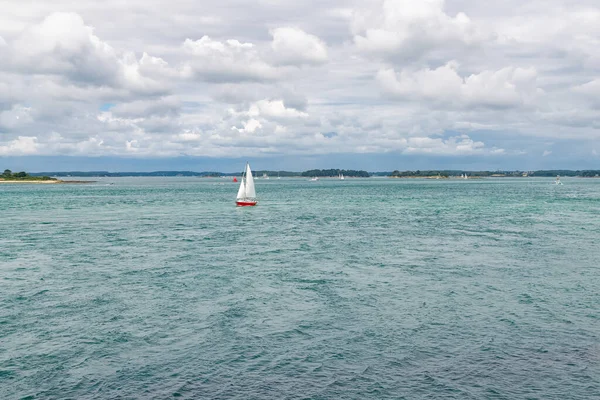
(377, 288)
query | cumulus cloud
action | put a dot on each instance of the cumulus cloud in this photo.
(15, 118)
(227, 61)
(589, 91)
(249, 126)
(63, 46)
(293, 46)
(507, 87)
(21, 146)
(275, 109)
(456, 145)
(163, 106)
(408, 30)
(301, 78)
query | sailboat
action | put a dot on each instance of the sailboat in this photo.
(341, 176)
(265, 176)
(557, 181)
(246, 195)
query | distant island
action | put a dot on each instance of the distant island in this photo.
(490, 174)
(324, 173)
(23, 177)
(321, 173)
(210, 174)
(8, 177)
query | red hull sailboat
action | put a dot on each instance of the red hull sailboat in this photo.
(245, 203)
(246, 195)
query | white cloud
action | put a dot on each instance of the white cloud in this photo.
(249, 126)
(228, 61)
(293, 46)
(21, 146)
(508, 87)
(15, 118)
(546, 153)
(274, 109)
(456, 145)
(407, 30)
(154, 107)
(63, 47)
(590, 91)
(302, 78)
(63, 44)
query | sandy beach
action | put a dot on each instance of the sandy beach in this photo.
(24, 181)
(44, 182)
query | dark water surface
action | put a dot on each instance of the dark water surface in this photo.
(363, 288)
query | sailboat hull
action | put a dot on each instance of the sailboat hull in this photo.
(245, 203)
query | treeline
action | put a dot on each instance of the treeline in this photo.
(455, 172)
(589, 173)
(336, 172)
(426, 173)
(8, 175)
(161, 173)
(271, 174)
(309, 173)
(257, 173)
(123, 174)
(517, 173)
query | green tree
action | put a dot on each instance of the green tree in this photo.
(7, 173)
(21, 174)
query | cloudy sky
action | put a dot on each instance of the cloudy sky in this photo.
(152, 84)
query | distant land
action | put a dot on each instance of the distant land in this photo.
(23, 177)
(208, 174)
(333, 173)
(483, 174)
(9, 177)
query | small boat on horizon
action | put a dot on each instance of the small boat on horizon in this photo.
(246, 195)
(341, 177)
(557, 181)
(314, 178)
(265, 176)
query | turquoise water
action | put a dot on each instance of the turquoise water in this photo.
(363, 288)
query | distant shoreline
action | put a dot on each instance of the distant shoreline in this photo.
(333, 173)
(47, 182)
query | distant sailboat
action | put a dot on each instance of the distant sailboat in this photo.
(557, 181)
(341, 176)
(314, 178)
(246, 195)
(265, 176)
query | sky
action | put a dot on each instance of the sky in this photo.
(376, 85)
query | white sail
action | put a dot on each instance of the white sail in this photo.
(250, 192)
(242, 192)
